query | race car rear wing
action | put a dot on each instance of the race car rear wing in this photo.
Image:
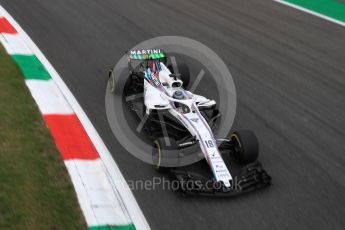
(146, 54)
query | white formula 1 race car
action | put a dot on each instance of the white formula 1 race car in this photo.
(177, 120)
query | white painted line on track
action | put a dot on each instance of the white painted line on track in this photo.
(14, 44)
(48, 98)
(311, 12)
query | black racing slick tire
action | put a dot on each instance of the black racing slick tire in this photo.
(246, 146)
(164, 154)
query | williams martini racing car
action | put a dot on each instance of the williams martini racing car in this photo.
(187, 124)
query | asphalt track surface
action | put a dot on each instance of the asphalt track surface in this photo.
(289, 71)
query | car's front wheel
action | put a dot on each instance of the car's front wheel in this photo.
(245, 146)
(165, 154)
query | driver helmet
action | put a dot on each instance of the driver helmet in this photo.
(178, 94)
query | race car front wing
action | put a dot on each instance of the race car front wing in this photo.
(249, 178)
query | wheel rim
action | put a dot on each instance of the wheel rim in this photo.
(238, 147)
(157, 154)
(112, 82)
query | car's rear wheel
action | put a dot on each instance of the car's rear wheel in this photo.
(245, 145)
(112, 80)
(164, 154)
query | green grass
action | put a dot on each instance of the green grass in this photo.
(35, 189)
